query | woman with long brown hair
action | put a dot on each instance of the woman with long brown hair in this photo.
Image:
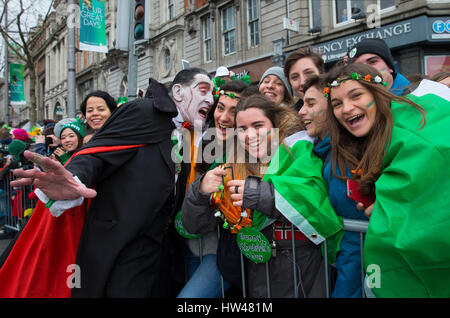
(397, 151)
(273, 185)
(360, 142)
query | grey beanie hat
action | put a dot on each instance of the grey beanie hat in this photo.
(60, 124)
(277, 71)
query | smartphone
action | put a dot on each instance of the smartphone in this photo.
(354, 194)
(48, 141)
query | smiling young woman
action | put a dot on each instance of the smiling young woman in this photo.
(396, 148)
(260, 165)
(97, 107)
(275, 86)
(361, 121)
(71, 136)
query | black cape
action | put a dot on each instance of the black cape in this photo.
(125, 233)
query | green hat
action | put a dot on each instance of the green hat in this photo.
(122, 100)
(16, 148)
(75, 126)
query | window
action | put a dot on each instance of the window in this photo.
(170, 9)
(229, 30)
(58, 112)
(206, 26)
(167, 59)
(386, 5)
(253, 22)
(436, 63)
(345, 9)
(314, 14)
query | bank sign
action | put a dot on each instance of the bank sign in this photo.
(441, 29)
(402, 33)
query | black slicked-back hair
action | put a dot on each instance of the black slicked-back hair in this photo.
(185, 77)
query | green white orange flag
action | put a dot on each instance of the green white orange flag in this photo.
(301, 193)
(408, 239)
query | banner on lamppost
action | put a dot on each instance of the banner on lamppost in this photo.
(16, 88)
(92, 26)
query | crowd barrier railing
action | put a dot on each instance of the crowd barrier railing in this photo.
(15, 205)
(350, 225)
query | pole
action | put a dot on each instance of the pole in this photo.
(288, 34)
(6, 87)
(71, 92)
(132, 60)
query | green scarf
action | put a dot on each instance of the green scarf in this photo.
(408, 241)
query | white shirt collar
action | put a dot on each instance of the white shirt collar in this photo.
(178, 120)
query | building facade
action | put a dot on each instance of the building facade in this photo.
(247, 36)
(91, 67)
(242, 35)
(418, 32)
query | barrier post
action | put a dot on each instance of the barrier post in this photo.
(294, 261)
(244, 294)
(325, 260)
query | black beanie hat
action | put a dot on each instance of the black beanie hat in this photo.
(374, 46)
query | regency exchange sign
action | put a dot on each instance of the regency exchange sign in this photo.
(397, 34)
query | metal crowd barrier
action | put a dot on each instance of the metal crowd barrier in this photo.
(15, 206)
(349, 225)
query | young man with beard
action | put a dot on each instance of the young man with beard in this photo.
(112, 244)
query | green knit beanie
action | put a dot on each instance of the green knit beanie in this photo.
(75, 126)
(16, 148)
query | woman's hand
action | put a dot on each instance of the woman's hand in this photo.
(59, 152)
(212, 180)
(367, 211)
(236, 188)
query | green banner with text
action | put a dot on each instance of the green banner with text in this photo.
(17, 91)
(92, 26)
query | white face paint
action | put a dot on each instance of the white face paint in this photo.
(197, 99)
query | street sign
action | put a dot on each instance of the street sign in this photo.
(290, 24)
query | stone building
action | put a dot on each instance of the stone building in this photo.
(241, 35)
(247, 36)
(418, 32)
(91, 71)
(251, 35)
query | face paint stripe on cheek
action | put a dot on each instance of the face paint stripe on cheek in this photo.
(316, 113)
(369, 105)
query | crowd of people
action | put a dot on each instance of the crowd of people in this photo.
(153, 198)
(57, 140)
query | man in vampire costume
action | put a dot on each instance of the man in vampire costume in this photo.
(111, 241)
